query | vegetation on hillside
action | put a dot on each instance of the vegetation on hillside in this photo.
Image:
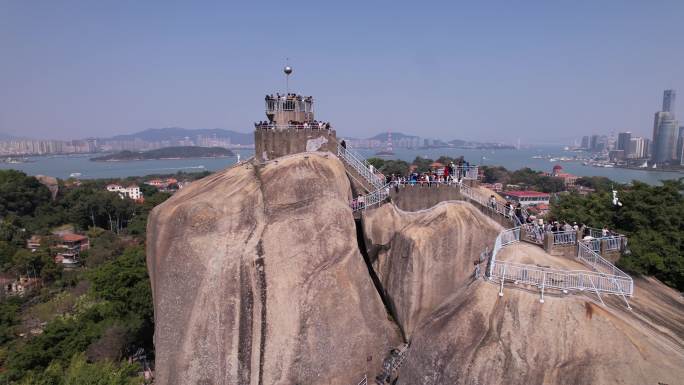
(651, 216)
(80, 326)
(525, 178)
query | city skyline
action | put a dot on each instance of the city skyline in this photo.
(536, 71)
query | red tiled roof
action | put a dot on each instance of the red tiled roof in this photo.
(527, 194)
(74, 237)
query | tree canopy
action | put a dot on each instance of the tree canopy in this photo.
(651, 216)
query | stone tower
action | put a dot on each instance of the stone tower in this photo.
(291, 127)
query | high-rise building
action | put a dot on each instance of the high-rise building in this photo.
(638, 148)
(665, 131)
(680, 146)
(585, 142)
(594, 143)
(665, 141)
(623, 142)
(669, 100)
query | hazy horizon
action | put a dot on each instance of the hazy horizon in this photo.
(538, 71)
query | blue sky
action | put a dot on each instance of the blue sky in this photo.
(491, 70)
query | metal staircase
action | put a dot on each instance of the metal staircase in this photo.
(356, 164)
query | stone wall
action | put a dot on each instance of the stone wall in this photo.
(416, 198)
(271, 144)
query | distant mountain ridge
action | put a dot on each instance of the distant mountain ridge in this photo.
(175, 133)
(395, 135)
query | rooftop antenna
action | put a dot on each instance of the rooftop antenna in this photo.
(288, 72)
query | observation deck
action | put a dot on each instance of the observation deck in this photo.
(291, 128)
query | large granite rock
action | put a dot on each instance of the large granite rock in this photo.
(51, 183)
(478, 337)
(257, 279)
(424, 257)
(462, 332)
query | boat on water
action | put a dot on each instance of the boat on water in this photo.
(75, 174)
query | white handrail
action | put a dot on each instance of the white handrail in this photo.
(606, 277)
(369, 200)
(565, 237)
(360, 165)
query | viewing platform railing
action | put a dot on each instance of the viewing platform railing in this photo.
(593, 244)
(606, 277)
(303, 126)
(597, 262)
(565, 237)
(369, 200)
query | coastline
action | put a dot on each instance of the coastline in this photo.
(166, 158)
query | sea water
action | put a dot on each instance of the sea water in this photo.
(63, 166)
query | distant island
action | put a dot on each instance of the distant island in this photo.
(181, 152)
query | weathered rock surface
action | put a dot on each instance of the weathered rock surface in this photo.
(479, 338)
(257, 279)
(462, 332)
(51, 183)
(423, 257)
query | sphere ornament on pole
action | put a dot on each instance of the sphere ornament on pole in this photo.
(287, 70)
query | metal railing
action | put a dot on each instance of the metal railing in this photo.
(594, 260)
(595, 233)
(504, 238)
(606, 277)
(613, 243)
(363, 381)
(361, 166)
(565, 238)
(369, 200)
(303, 126)
(470, 172)
(593, 244)
(493, 205)
(533, 233)
(566, 280)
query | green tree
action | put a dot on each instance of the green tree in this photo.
(21, 194)
(651, 216)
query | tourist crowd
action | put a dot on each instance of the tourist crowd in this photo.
(289, 96)
(450, 174)
(266, 125)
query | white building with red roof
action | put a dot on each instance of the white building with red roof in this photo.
(568, 179)
(132, 191)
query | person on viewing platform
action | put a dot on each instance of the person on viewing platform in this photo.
(507, 209)
(492, 201)
(518, 213)
(605, 232)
